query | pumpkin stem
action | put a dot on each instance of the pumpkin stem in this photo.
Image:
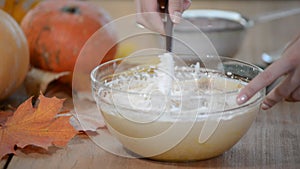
(71, 9)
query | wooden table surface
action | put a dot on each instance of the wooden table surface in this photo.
(273, 141)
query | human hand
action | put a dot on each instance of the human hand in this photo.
(289, 88)
(154, 21)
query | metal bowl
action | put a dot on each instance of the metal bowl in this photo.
(225, 29)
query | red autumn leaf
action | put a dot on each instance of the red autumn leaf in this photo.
(38, 126)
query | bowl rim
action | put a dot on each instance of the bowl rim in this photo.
(221, 14)
(227, 93)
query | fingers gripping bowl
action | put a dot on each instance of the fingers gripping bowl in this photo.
(169, 125)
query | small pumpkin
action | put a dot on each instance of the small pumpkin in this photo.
(14, 55)
(18, 8)
(57, 30)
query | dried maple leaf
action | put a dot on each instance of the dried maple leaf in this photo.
(37, 80)
(39, 126)
(4, 115)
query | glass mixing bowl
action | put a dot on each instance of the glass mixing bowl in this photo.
(194, 117)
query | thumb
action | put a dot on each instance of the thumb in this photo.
(176, 8)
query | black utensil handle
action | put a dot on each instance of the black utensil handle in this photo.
(168, 24)
(163, 6)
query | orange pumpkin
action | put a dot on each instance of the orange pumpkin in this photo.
(14, 55)
(57, 30)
